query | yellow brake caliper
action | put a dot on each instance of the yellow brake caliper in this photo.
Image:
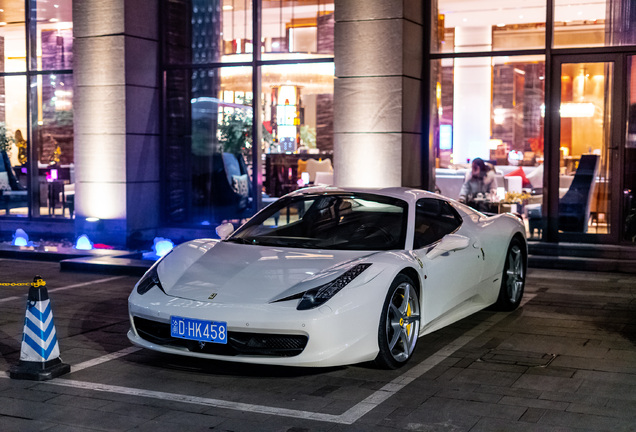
(408, 314)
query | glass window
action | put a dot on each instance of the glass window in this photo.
(290, 26)
(51, 110)
(297, 125)
(208, 145)
(433, 220)
(298, 107)
(54, 35)
(208, 112)
(12, 38)
(585, 162)
(629, 185)
(53, 137)
(329, 221)
(582, 23)
(13, 147)
(207, 31)
(465, 26)
(491, 108)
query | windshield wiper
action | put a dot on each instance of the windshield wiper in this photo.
(242, 240)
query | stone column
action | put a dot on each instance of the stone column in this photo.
(116, 106)
(377, 93)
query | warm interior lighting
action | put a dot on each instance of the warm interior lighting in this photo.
(494, 143)
(499, 116)
(565, 151)
(315, 78)
(573, 110)
(576, 110)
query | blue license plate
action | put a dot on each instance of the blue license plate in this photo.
(194, 329)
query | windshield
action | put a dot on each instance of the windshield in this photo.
(352, 221)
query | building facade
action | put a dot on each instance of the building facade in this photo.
(131, 119)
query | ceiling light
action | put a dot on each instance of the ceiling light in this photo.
(228, 7)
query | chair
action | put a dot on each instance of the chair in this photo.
(12, 193)
(68, 199)
(324, 178)
(314, 166)
(574, 207)
(513, 184)
(231, 186)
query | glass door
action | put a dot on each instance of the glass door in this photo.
(629, 171)
(587, 141)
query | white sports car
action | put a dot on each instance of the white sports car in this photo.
(328, 276)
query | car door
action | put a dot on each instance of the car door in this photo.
(451, 276)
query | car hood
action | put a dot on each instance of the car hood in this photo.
(229, 273)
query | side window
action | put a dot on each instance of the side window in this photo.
(434, 219)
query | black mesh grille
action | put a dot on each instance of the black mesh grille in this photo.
(262, 344)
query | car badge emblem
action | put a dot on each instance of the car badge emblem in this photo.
(201, 344)
(212, 296)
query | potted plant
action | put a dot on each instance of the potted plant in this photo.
(235, 132)
(6, 140)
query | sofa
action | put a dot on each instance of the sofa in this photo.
(12, 193)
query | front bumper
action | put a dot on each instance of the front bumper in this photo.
(343, 331)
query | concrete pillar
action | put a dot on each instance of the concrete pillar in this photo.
(377, 93)
(116, 120)
(472, 95)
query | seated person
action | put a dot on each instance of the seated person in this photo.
(480, 180)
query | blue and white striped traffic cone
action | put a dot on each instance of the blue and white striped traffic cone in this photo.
(40, 352)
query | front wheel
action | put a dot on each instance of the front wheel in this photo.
(513, 278)
(399, 324)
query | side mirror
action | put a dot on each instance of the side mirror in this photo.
(449, 242)
(224, 230)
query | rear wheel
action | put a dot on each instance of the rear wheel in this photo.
(399, 324)
(514, 277)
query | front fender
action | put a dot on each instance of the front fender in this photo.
(172, 267)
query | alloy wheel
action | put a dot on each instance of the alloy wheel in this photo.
(403, 321)
(515, 274)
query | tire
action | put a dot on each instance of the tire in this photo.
(513, 279)
(399, 324)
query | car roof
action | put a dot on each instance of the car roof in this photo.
(410, 195)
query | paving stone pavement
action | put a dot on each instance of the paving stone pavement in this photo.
(564, 361)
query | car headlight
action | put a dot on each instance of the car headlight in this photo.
(319, 295)
(149, 280)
